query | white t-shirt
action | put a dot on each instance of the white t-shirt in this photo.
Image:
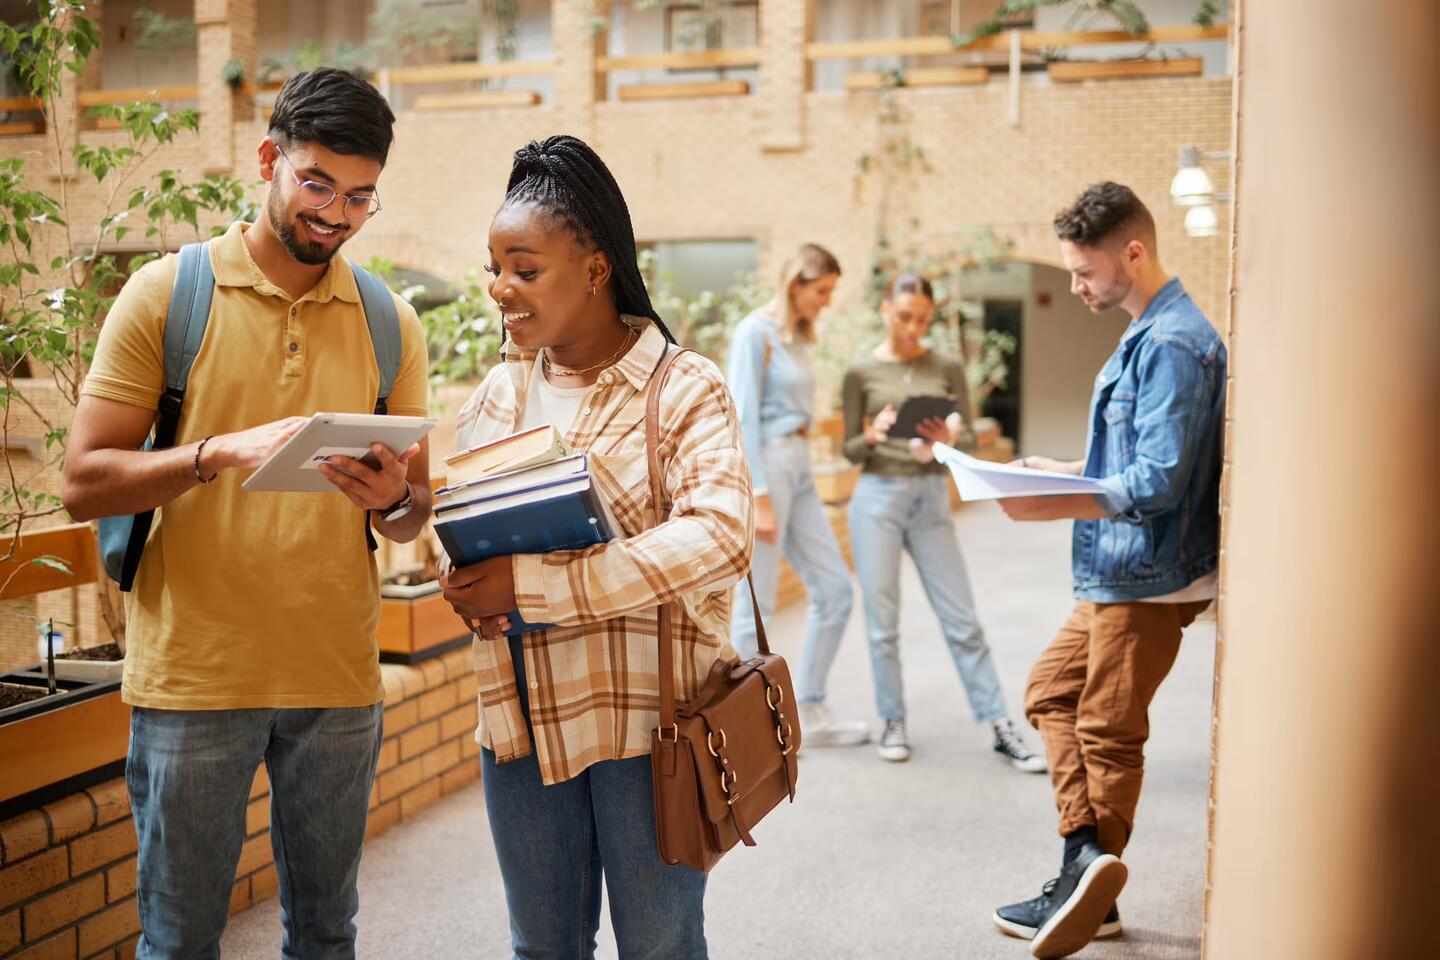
(1206, 588)
(547, 403)
(557, 406)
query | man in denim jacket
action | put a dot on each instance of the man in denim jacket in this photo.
(1144, 555)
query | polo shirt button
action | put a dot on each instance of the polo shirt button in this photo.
(534, 684)
(294, 347)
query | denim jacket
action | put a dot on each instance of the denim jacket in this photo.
(1155, 434)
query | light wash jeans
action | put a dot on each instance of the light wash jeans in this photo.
(189, 774)
(555, 843)
(808, 541)
(888, 514)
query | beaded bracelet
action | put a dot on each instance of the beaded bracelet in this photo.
(198, 451)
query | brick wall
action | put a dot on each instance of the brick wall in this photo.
(700, 169)
(696, 169)
(67, 870)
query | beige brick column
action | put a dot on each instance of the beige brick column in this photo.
(785, 28)
(1325, 833)
(226, 31)
(578, 87)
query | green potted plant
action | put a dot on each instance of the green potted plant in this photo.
(233, 75)
(52, 307)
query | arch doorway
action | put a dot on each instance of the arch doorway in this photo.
(1060, 347)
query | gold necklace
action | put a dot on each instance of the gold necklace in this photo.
(565, 372)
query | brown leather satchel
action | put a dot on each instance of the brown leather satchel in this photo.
(726, 758)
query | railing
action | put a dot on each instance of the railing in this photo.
(20, 128)
(1029, 40)
(446, 73)
(103, 98)
(1015, 42)
(689, 89)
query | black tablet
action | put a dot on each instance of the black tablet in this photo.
(917, 409)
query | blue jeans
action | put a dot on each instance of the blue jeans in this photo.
(555, 843)
(189, 775)
(890, 514)
(808, 541)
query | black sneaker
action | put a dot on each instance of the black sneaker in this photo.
(1082, 898)
(1025, 918)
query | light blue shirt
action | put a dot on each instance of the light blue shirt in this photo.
(773, 384)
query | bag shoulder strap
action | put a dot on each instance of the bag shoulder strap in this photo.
(184, 332)
(657, 493)
(384, 325)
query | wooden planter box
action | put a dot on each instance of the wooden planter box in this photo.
(921, 77)
(59, 744)
(413, 629)
(835, 480)
(683, 91)
(1074, 71)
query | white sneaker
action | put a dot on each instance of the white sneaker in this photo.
(819, 729)
(1013, 749)
(894, 744)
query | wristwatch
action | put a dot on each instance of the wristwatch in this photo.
(399, 508)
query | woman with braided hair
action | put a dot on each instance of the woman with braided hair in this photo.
(567, 712)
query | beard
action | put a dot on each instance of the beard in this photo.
(305, 251)
(1113, 296)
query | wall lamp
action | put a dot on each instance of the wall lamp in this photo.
(1193, 188)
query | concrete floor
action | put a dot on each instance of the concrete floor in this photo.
(875, 860)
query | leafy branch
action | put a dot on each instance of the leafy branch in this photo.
(61, 277)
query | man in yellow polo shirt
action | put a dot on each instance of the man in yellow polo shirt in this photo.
(252, 621)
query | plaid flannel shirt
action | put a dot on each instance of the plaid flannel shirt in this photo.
(594, 684)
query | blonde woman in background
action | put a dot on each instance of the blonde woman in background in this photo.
(772, 378)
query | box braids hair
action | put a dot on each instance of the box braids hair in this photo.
(563, 176)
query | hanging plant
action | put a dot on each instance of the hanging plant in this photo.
(233, 75)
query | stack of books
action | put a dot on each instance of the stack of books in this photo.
(524, 493)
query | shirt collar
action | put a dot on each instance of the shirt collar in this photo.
(234, 267)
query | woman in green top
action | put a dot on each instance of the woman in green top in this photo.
(902, 502)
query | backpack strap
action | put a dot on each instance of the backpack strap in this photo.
(122, 539)
(385, 339)
(184, 331)
(384, 330)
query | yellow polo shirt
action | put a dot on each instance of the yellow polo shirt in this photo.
(254, 599)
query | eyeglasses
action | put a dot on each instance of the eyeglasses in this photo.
(318, 196)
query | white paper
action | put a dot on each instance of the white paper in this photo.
(983, 480)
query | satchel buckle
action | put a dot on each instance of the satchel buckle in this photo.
(783, 735)
(728, 779)
(710, 743)
(674, 729)
(775, 704)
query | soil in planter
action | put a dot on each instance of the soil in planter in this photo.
(106, 651)
(13, 694)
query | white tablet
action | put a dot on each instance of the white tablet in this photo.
(295, 467)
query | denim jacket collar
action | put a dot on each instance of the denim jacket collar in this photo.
(1163, 298)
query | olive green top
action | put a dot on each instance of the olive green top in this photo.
(872, 383)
